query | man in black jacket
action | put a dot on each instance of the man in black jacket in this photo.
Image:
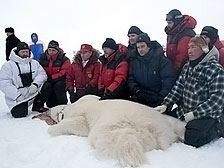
(11, 41)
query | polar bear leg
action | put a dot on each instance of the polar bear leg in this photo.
(71, 126)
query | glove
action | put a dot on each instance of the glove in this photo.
(188, 116)
(73, 97)
(20, 98)
(161, 108)
(141, 97)
(107, 95)
(33, 88)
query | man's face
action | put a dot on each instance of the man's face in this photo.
(86, 55)
(107, 51)
(52, 51)
(132, 38)
(170, 24)
(24, 53)
(194, 51)
(8, 34)
(142, 48)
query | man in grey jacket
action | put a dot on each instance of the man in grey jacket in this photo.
(21, 78)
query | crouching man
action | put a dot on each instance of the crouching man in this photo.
(21, 79)
(199, 93)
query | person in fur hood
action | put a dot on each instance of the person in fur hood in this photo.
(21, 78)
(82, 77)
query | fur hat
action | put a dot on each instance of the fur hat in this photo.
(86, 47)
(53, 44)
(134, 30)
(200, 42)
(210, 32)
(9, 29)
(175, 16)
(110, 43)
(144, 38)
(21, 46)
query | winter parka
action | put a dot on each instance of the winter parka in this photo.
(177, 41)
(113, 76)
(56, 66)
(10, 81)
(11, 42)
(200, 89)
(152, 74)
(78, 76)
(37, 46)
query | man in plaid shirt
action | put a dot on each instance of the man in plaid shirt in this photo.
(199, 94)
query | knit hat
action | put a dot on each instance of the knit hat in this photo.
(21, 46)
(144, 38)
(200, 42)
(110, 43)
(53, 44)
(134, 30)
(210, 32)
(86, 48)
(9, 29)
(175, 16)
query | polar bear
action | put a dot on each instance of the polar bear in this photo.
(118, 128)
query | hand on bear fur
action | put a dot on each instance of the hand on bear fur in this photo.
(161, 108)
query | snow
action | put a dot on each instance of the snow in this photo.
(25, 143)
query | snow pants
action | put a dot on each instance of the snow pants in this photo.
(53, 93)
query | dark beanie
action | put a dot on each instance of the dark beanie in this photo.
(9, 29)
(210, 32)
(144, 38)
(53, 44)
(175, 16)
(21, 46)
(134, 30)
(110, 43)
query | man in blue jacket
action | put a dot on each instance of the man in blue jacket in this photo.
(151, 75)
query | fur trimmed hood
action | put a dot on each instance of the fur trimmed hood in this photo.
(94, 58)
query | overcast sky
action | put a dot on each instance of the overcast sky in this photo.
(73, 22)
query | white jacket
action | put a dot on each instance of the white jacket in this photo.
(10, 81)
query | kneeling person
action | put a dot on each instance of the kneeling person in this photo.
(20, 80)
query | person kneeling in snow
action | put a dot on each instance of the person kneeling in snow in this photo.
(20, 80)
(200, 89)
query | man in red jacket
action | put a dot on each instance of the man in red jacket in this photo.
(82, 77)
(56, 64)
(211, 36)
(113, 72)
(179, 31)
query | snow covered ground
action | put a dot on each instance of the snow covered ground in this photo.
(25, 143)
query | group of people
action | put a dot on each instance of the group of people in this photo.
(189, 74)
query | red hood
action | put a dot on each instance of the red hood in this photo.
(188, 22)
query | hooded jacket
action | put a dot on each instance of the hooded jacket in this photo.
(200, 88)
(152, 73)
(79, 76)
(177, 41)
(36, 46)
(10, 81)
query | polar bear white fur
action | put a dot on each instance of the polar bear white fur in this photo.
(119, 128)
